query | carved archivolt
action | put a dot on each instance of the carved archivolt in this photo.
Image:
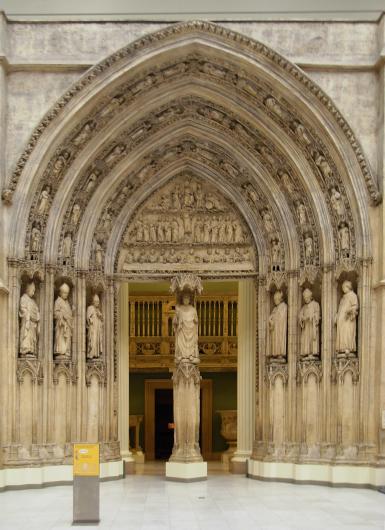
(224, 35)
(245, 133)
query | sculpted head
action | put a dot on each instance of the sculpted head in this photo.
(347, 286)
(96, 300)
(64, 291)
(278, 297)
(186, 299)
(30, 290)
(307, 296)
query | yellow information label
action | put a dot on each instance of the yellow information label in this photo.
(86, 460)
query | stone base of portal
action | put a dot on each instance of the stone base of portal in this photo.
(186, 471)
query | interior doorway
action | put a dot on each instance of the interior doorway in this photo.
(155, 388)
(164, 431)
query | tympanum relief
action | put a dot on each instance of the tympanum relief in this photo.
(187, 225)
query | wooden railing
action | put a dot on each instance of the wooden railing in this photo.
(151, 332)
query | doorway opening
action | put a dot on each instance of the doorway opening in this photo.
(151, 361)
(164, 418)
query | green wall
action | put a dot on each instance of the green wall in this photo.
(224, 398)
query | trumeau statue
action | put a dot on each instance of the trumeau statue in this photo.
(346, 322)
(278, 328)
(94, 329)
(63, 323)
(309, 318)
(186, 376)
(29, 322)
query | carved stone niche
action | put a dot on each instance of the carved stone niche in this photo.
(346, 318)
(277, 325)
(29, 313)
(63, 319)
(187, 225)
(34, 248)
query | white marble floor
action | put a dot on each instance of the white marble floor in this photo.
(224, 502)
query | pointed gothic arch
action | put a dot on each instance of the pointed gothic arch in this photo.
(195, 98)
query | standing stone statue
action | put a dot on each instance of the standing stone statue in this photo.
(94, 329)
(63, 323)
(29, 322)
(309, 318)
(278, 328)
(186, 376)
(346, 322)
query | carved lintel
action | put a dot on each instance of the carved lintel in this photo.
(341, 366)
(306, 367)
(32, 366)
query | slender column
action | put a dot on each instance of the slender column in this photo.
(328, 311)
(109, 304)
(46, 352)
(79, 356)
(124, 396)
(293, 302)
(246, 374)
(262, 427)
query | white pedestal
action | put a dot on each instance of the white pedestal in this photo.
(186, 471)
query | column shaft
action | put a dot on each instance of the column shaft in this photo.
(245, 373)
(123, 341)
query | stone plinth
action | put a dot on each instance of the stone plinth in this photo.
(186, 471)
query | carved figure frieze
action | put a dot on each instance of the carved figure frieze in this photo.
(187, 224)
(346, 322)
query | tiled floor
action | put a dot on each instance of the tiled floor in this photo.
(146, 501)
